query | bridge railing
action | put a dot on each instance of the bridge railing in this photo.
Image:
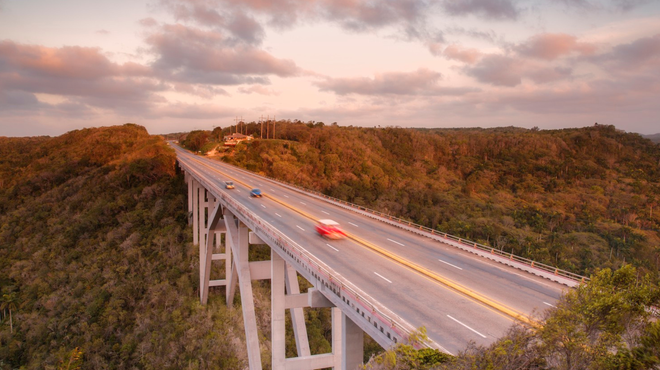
(397, 324)
(492, 250)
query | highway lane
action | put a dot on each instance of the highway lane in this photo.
(452, 318)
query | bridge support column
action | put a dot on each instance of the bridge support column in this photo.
(297, 314)
(195, 211)
(352, 344)
(210, 219)
(189, 182)
(237, 235)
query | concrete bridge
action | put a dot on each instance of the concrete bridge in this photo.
(387, 279)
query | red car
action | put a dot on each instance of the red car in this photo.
(329, 229)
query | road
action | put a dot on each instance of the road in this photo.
(451, 318)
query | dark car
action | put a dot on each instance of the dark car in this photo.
(256, 193)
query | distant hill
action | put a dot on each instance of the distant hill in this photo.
(581, 199)
(654, 138)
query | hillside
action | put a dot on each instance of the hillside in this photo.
(580, 199)
(96, 261)
(97, 268)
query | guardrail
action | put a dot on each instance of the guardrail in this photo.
(492, 250)
(397, 324)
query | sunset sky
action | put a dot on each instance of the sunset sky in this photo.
(179, 65)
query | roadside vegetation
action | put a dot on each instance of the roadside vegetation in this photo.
(579, 199)
(98, 271)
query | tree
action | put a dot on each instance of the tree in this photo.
(9, 303)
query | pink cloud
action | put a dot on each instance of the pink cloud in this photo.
(420, 82)
(257, 89)
(641, 54)
(469, 56)
(501, 70)
(550, 46)
(193, 55)
(84, 75)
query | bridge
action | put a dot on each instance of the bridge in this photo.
(387, 279)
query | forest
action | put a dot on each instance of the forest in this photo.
(98, 270)
(580, 199)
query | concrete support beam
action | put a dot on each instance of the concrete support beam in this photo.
(221, 282)
(296, 301)
(260, 270)
(311, 362)
(317, 299)
(195, 211)
(297, 314)
(352, 344)
(255, 239)
(336, 336)
(230, 267)
(189, 181)
(238, 240)
(206, 253)
(277, 311)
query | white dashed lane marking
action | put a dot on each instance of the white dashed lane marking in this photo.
(483, 336)
(394, 241)
(383, 277)
(445, 262)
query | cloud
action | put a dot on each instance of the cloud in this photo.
(611, 5)
(242, 27)
(551, 46)
(192, 55)
(192, 111)
(501, 70)
(496, 70)
(456, 52)
(102, 32)
(257, 89)
(491, 9)
(641, 54)
(83, 75)
(419, 82)
(627, 5)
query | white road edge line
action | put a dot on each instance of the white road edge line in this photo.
(394, 241)
(278, 215)
(300, 228)
(551, 305)
(384, 278)
(353, 224)
(449, 264)
(332, 247)
(483, 336)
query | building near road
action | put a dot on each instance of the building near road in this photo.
(233, 139)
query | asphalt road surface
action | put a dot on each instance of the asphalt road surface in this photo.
(452, 319)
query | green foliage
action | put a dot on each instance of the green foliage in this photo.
(406, 356)
(579, 199)
(196, 140)
(608, 323)
(95, 253)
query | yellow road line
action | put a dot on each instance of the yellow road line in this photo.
(413, 266)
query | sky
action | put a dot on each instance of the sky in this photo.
(181, 65)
